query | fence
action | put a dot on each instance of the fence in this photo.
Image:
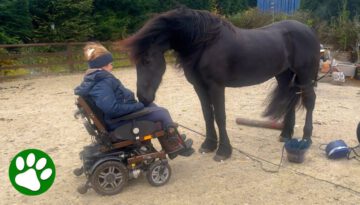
(279, 6)
(32, 59)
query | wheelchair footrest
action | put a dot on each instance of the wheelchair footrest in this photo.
(140, 158)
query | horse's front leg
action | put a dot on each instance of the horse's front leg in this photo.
(210, 142)
(217, 95)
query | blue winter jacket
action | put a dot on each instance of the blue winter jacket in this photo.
(108, 94)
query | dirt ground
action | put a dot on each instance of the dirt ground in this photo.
(38, 113)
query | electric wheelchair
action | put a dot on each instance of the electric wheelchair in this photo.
(117, 156)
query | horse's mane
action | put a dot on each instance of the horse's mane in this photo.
(186, 31)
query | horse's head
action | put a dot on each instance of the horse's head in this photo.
(182, 30)
(150, 69)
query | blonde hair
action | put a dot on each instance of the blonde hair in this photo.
(93, 50)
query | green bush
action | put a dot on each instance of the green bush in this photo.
(344, 32)
(253, 18)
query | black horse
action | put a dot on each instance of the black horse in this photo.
(214, 54)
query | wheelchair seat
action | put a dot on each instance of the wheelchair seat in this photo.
(131, 130)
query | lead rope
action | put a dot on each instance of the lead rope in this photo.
(260, 160)
(250, 156)
(356, 154)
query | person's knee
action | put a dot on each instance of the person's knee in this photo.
(163, 111)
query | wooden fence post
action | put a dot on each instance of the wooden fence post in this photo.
(70, 60)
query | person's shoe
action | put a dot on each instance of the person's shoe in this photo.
(185, 152)
(183, 137)
(188, 150)
(172, 155)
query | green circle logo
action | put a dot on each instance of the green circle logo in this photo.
(32, 172)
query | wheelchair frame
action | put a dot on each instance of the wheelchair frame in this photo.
(108, 165)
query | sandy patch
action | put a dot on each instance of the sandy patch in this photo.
(38, 113)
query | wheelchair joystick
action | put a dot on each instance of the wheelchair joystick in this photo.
(135, 130)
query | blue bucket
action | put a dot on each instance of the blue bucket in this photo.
(296, 150)
(337, 149)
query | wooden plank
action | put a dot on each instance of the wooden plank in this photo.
(68, 58)
(260, 123)
(39, 54)
(49, 65)
(30, 66)
(39, 44)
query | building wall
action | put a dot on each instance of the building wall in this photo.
(278, 6)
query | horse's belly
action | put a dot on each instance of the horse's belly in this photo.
(246, 81)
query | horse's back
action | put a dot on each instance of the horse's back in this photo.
(301, 43)
(251, 56)
(303, 39)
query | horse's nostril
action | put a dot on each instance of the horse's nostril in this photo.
(146, 103)
(143, 100)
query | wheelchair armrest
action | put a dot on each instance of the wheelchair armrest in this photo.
(136, 114)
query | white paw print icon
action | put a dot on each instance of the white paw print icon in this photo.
(33, 171)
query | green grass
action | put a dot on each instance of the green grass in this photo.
(121, 60)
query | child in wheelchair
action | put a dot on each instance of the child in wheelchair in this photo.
(122, 128)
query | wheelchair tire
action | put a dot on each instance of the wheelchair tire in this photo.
(78, 171)
(109, 178)
(159, 173)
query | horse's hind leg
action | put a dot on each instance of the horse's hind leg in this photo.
(284, 80)
(308, 98)
(289, 123)
(305, 80)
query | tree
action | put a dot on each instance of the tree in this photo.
(116, 19)
(328, 9)
(344, 32)
(15, 21)
(58, 21)
(230, 7)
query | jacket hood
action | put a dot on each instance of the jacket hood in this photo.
(92, 76)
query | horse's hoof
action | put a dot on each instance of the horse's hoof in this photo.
(207, 146)
(205, 150)
(284, 139)
(307, 139)
(220, 158)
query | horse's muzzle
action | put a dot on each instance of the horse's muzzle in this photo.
(144, 100)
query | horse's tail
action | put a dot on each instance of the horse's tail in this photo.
(282, 99)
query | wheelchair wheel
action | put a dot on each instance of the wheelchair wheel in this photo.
(78, 171)
(109, 178)
(159, 173)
